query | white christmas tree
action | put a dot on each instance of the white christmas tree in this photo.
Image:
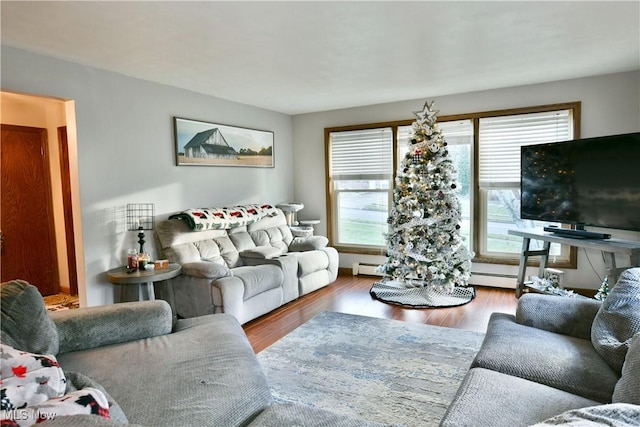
(424, 245)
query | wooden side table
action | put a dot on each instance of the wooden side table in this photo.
(119, 276)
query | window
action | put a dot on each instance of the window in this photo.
(499, 142)
(360, 184)
(486, 150)
(459, 137)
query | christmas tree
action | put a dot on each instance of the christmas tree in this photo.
(424, 246)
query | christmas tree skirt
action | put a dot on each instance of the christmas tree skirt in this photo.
(398, 293)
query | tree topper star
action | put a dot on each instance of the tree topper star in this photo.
(426, 113)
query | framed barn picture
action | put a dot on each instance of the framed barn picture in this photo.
(210, 144)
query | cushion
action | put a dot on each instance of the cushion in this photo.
(261, 252)
(209, 250)
(618, 319)
(309, 243)
(24, 322)
(628, 387)
(258, 279)
(241, 240)
(228, 251)
(209, 270)
(616, 414)
(490, 398)
(297, 414)
(546, 358)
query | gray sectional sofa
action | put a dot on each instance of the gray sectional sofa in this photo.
(154, 372)
(243, 268)
(558, 361)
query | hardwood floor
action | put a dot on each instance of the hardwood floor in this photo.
(350, 294)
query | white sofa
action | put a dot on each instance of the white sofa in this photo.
(244, 270)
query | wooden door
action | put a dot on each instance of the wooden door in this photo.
(28, 235)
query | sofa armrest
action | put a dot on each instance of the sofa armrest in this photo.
(206, 269)
(566, 316)
(311, 243)
(289, 266)
(91, 327)
(261, 252)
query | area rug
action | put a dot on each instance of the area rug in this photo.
(380, 370)
(393, 292)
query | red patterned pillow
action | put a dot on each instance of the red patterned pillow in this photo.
(33, 388)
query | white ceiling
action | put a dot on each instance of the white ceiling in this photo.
(304, 56)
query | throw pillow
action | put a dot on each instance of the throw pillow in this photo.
(28, 378)
(86, 401)
(34, 387)
(628, 387)
(311, 243)
(616, 414)
(618, 319)
(24, 322)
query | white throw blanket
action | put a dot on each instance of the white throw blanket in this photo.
(200, 219)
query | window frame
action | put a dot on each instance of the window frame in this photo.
(478, 224)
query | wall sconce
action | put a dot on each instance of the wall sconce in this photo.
(140, 217)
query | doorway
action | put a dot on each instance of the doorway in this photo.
(56, 117)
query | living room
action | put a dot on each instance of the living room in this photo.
(125, 148)
(118, 100)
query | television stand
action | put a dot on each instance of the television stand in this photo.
(577, 234)
(608, 247)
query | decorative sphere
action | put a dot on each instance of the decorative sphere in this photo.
(417, 214)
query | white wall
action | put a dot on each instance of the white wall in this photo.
(610, 105)
(126, 153)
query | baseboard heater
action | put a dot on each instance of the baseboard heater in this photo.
(477, 278)
(361, 268)
(495, 280)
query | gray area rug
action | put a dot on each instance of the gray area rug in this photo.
(381, 370)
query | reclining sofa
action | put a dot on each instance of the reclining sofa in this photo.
(243, 261)
(558, 361)
(134, 364)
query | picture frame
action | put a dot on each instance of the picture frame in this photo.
(199, 143)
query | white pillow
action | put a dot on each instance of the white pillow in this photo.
(29, 379)
(33, 387)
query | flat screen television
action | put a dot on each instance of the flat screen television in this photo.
(584, 182)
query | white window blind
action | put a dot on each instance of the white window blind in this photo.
(502, 137)
(361, 154)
